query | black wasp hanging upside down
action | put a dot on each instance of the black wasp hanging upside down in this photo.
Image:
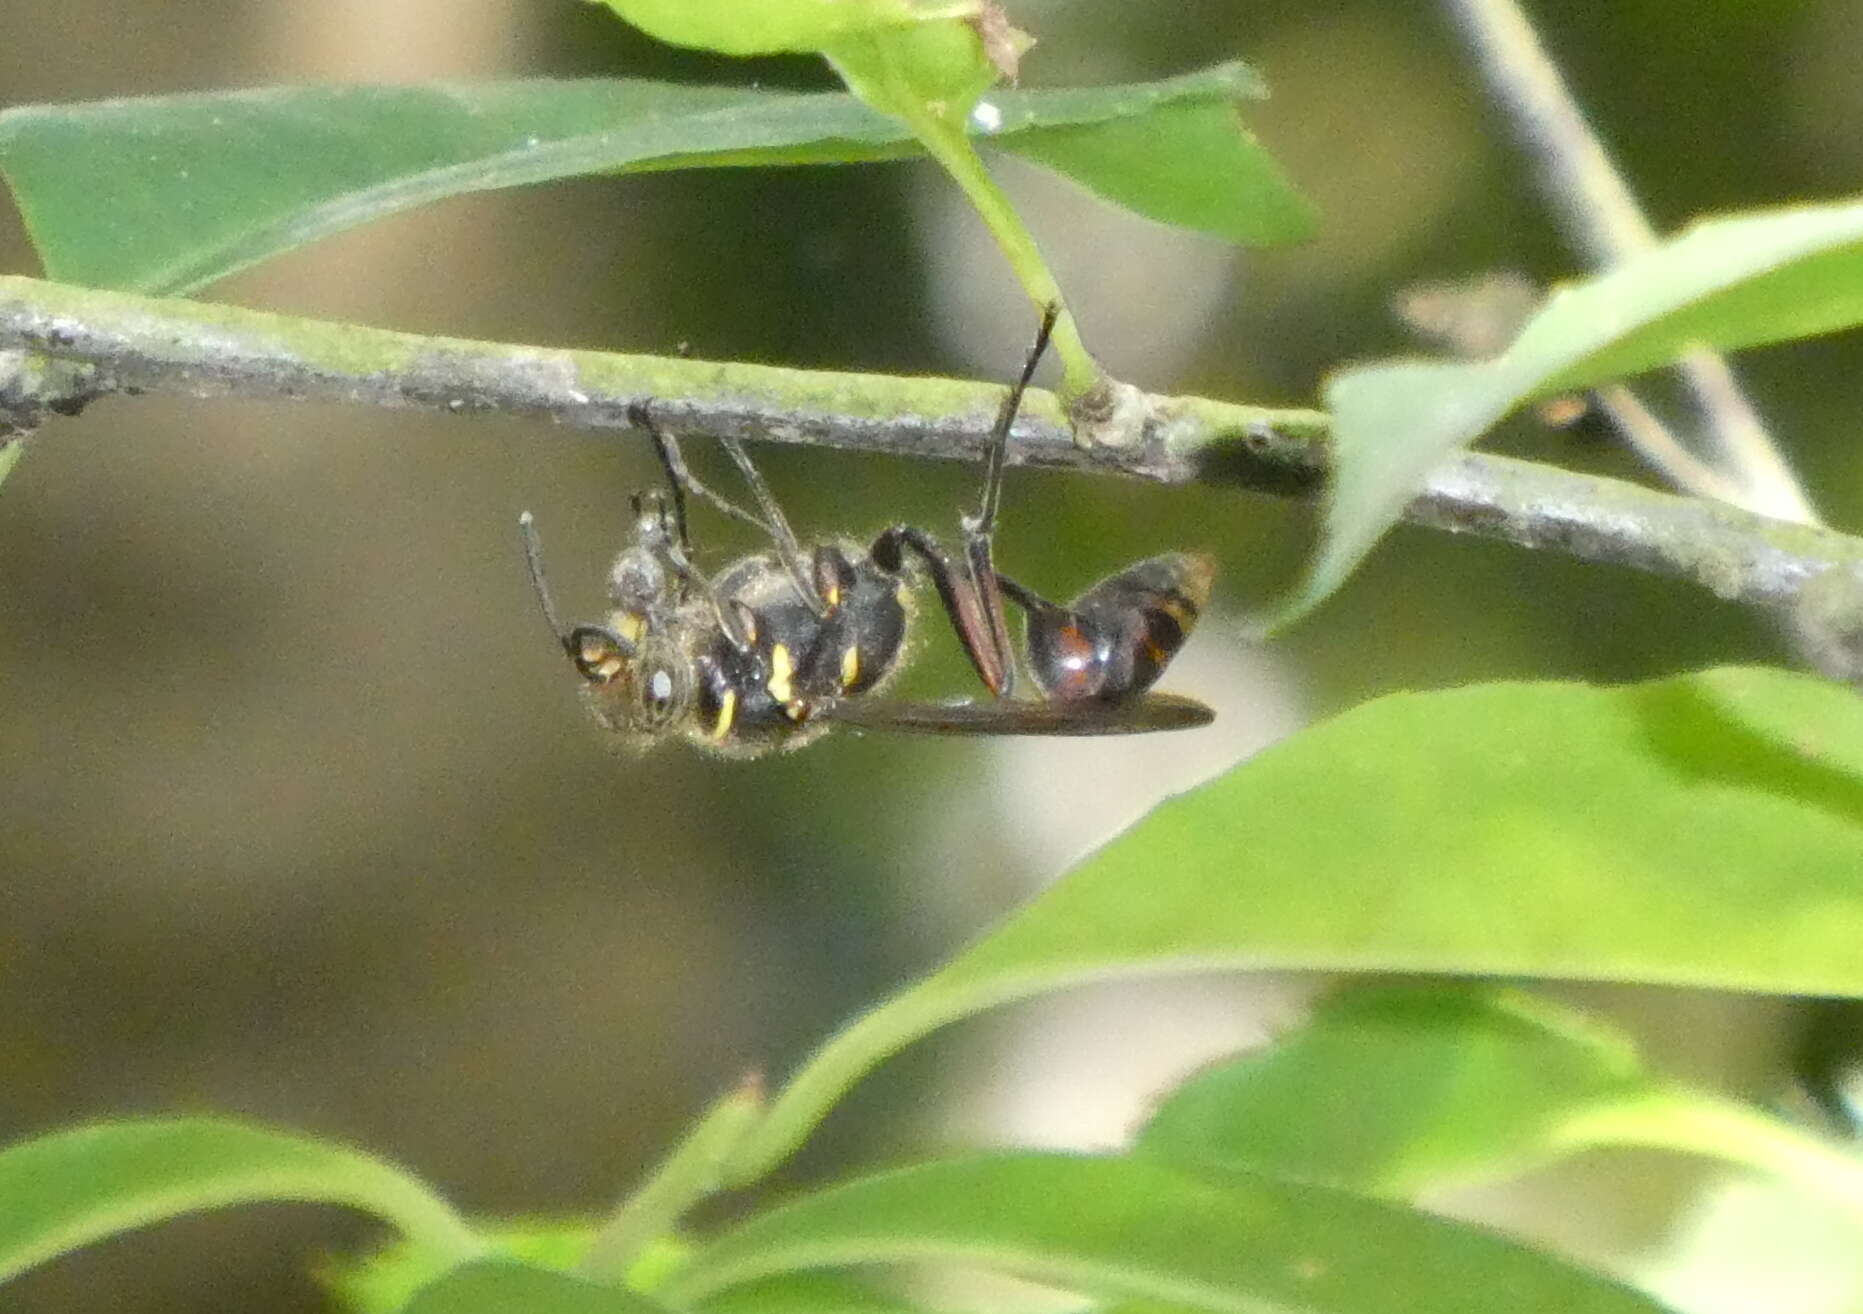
(783, 644)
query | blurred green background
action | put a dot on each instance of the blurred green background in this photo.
(303, 821)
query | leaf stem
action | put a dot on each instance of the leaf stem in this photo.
(690, 1173)
(1080, 373)
(1690, 1122)
(11, 449)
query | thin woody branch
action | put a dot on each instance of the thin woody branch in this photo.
(68, 345)
(1603, 220)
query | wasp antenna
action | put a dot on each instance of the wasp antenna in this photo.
(533, 557)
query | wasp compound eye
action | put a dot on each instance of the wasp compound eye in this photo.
(663, 687)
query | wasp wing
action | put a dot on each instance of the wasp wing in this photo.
(1013, 716)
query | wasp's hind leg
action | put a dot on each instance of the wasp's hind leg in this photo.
(976, 617)
(968, 588)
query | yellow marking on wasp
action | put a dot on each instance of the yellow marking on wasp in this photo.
(850, 667)
(630, 625)
(727, 713)
(598, 658)
(781, 682)
(833, 595)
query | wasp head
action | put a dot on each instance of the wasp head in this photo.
(637, 687)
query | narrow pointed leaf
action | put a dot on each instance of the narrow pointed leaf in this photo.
(1214, 177)
(1734, 282)
(1393, 1091)
(1705, 830)
(11, 449)
(503, 1286)
(805, 1293)
(68, 1189)
(384, 1281)
(769, 27)
(165, 194)
(1131, 1228)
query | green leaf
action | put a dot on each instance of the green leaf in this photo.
(166, 194)
(804, 1293)
(1117, 1227)
(71, 1188)
(927, 76)
(1705, 830)
(768, 27)
(502, 1286)
(1397, 1090)
(11, 449)
(1734, 282)
(1392, 1091)
(930, 78)
(1190, 164)
(690, 1172)
(385, 1281)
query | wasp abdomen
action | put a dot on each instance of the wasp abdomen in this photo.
(1114, 641)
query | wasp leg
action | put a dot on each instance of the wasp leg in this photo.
(660, 538)
(981, 630)
(737, 621)
(680, 477)
(788, 549)
(996, 455)
(1026, 598)
(980, 529)
(970, 590)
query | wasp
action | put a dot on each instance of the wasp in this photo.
(780, 645)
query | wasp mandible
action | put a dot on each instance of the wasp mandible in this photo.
(782, 644)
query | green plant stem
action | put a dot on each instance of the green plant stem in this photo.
(11, 450)
(1080, 373)
(1693, 1123)
(690, 1173)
